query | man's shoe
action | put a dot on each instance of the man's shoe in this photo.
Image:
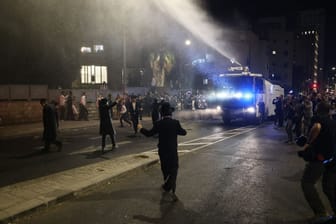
(115, 147)
(174, 197)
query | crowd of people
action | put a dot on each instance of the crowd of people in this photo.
(313, 118)
(295, 113)
(67, 107)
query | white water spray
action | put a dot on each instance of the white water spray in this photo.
(196, 20)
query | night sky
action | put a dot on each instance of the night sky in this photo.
(226, 11)
(41, 38)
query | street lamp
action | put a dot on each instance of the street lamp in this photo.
(183, 65)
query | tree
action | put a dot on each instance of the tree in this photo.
(161, 64)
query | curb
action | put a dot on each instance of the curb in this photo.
(44, 201)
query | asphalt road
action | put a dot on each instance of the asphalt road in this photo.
(21, 157)
(241, 175)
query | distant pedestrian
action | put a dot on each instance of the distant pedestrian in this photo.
(61, 105)
(106, 127)
(155, 111)
(123, 114)
(83, 112)
(140, 102)
(134, 111)
(70, 107)
(168, 129)
(50, 126)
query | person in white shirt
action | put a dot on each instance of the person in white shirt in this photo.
(61, 105)
(124, 114)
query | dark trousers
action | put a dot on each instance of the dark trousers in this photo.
(83, 113)
(135, 121)
(104, 139)
(124, 117)
(169, 171)
(281, 119)
(62, 112)
(289, 129)
(312, 173)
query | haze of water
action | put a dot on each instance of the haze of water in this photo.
(198, 22)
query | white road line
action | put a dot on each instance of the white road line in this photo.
(224, 138)
(203, 145)
(217, 137)
(196, 143)
(93, 148)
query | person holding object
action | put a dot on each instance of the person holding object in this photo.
(106, 127)
(50, 126)
(319, 152)
(168, 129)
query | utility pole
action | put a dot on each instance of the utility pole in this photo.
(123, 73)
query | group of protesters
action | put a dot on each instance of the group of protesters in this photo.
(310, 122)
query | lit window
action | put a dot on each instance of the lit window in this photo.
(86, 49)
(92, 74)
(273, 52)
(98, 48)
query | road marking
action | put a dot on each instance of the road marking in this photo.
(219, 136)
(241, 131)
(93, 148)
(200, 142)
(196, 143)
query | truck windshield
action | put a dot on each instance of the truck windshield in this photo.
(234, 83)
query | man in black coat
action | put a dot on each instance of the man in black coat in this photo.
(168, 130)
(50, 125)
(155, 111)
(106, 127)
(134, 112)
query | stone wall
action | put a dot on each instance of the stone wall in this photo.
(18, 112)
(21, 103)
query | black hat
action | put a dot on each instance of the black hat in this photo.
(166, 109)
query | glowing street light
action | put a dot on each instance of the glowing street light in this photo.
(187, 42)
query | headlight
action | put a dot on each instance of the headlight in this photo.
(250, 110)
(218, 108)
(247, 96)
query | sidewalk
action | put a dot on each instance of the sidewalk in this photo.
(23, 197)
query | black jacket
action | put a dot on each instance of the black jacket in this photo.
(168, 130)
(50, 122)
(325, 143)
(106, 126)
